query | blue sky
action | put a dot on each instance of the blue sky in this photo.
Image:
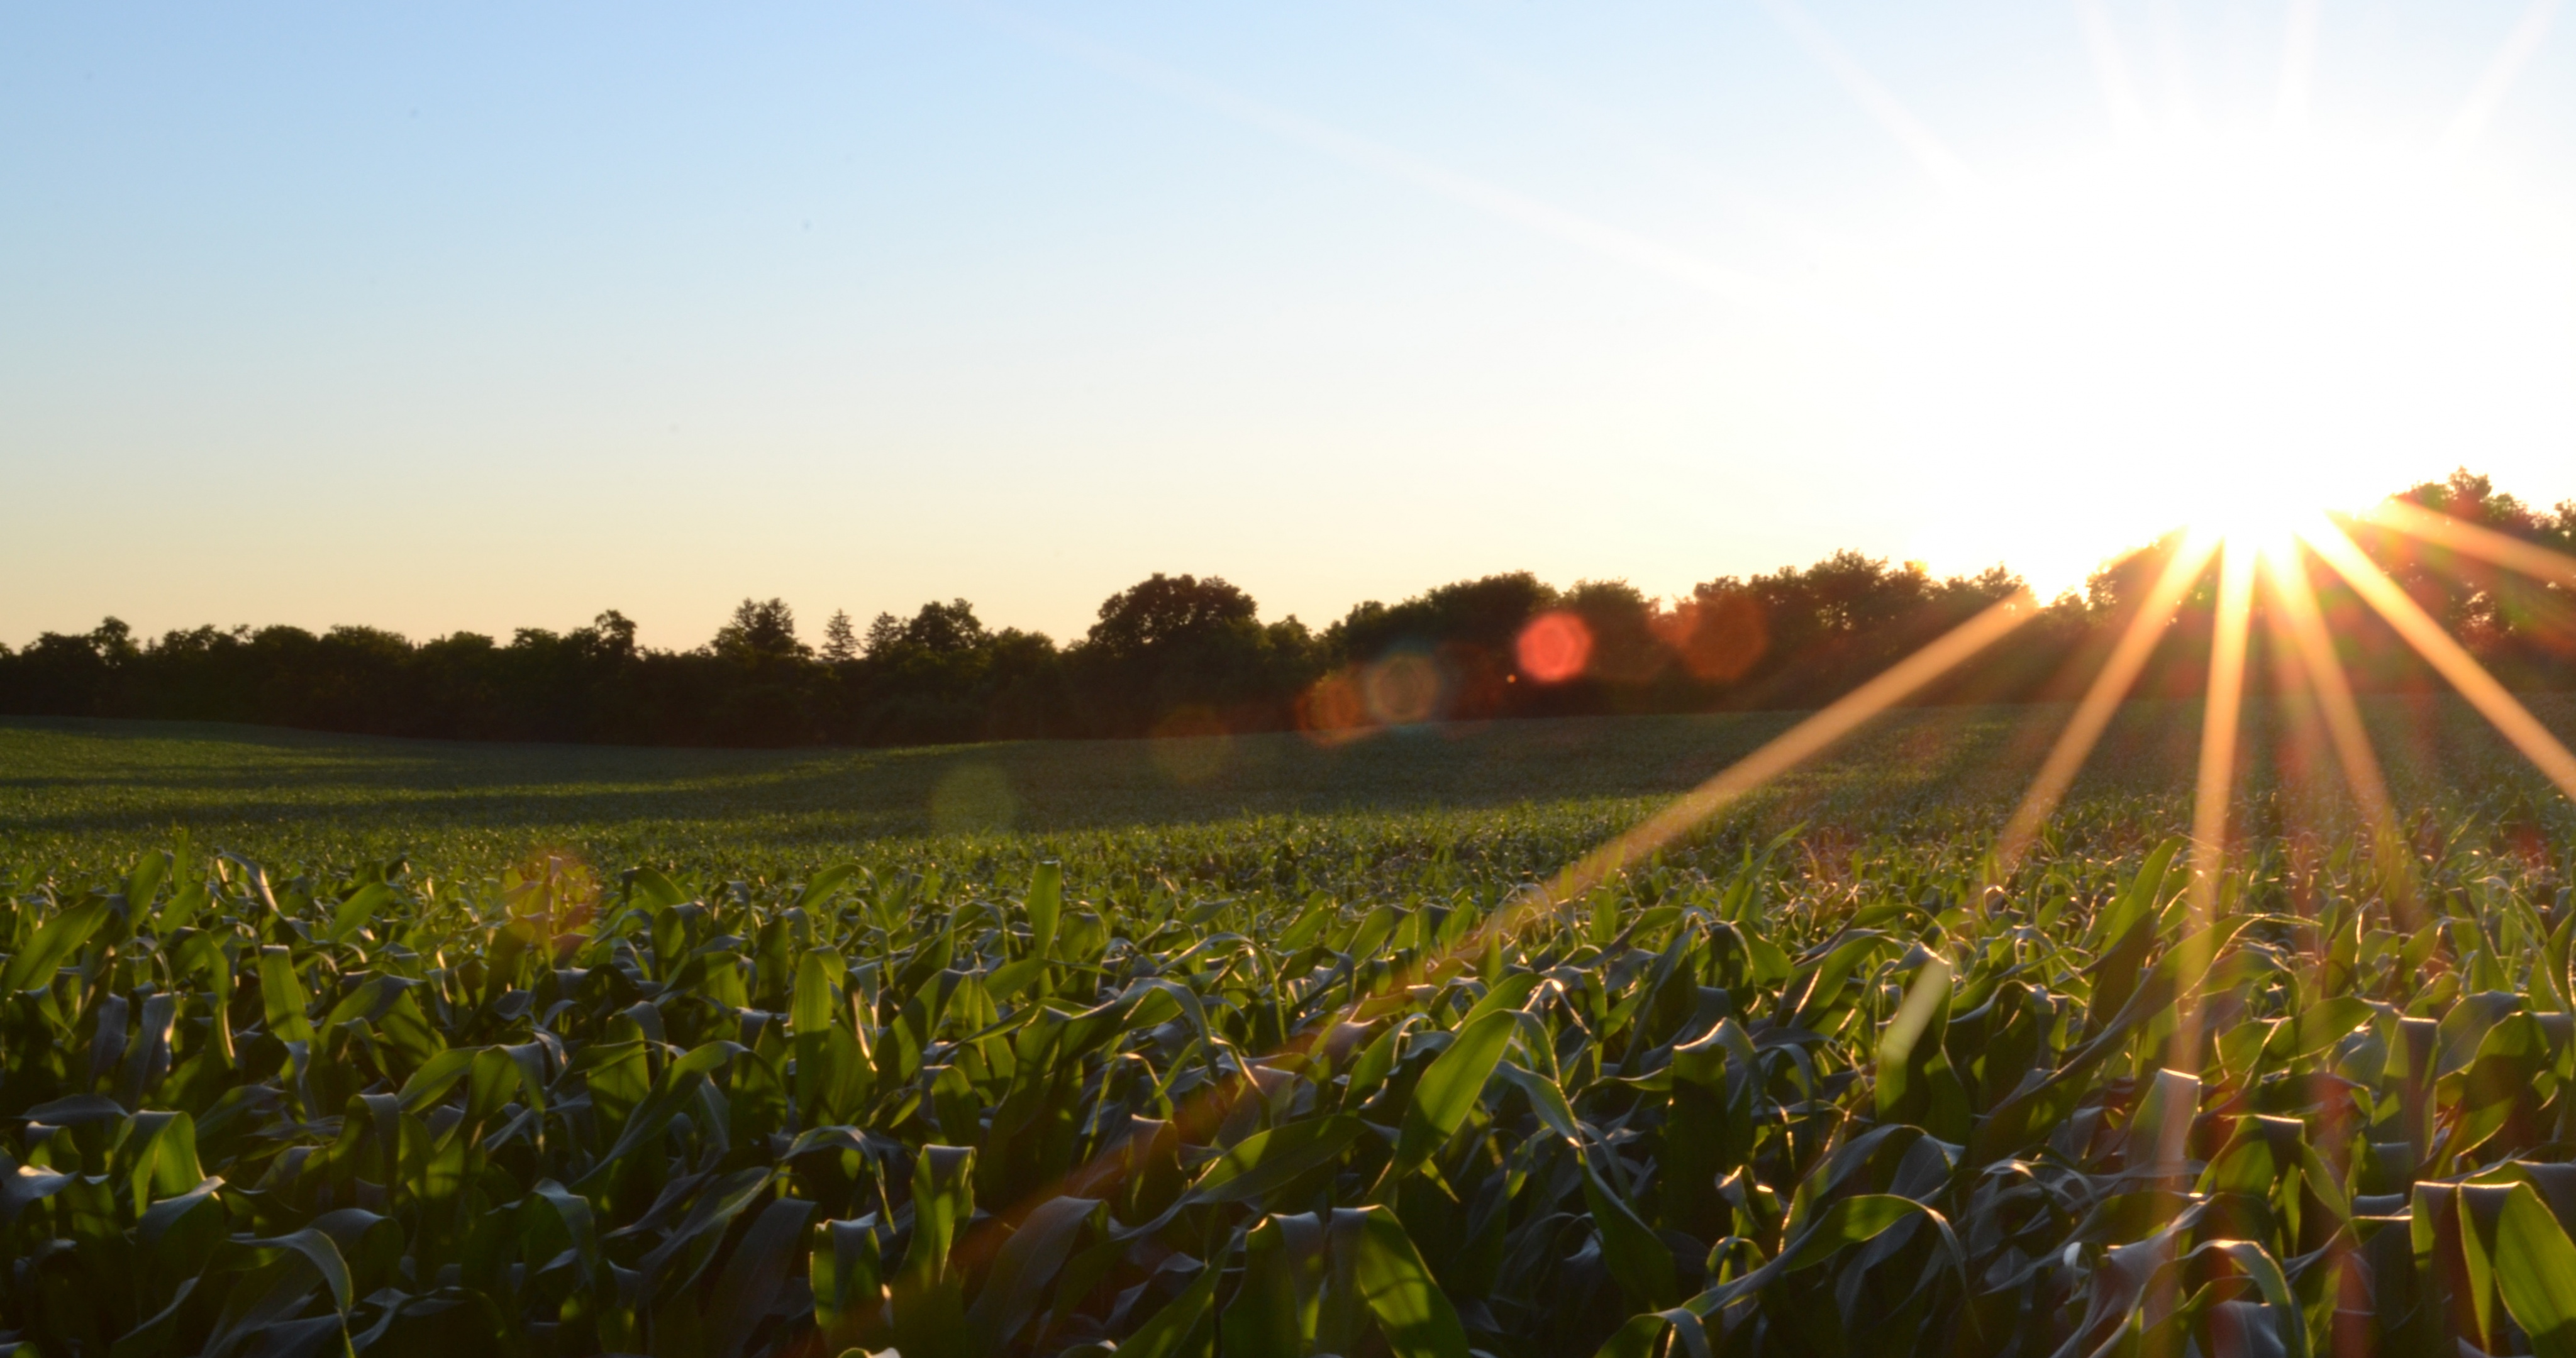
(482, 317)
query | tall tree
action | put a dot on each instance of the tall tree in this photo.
(840, 639)
(761, 632)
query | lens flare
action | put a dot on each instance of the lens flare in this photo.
(1718, 636)
(1403, 689)
(1334, 711)
(1554, 647)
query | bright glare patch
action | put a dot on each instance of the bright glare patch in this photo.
(2211, 332)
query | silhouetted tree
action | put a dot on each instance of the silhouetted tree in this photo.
(760, 632)
(1190, 653)
(1485, 614)
(1179, 647)
(840, 640)
(1162, 611)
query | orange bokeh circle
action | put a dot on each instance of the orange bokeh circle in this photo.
(1554, 647)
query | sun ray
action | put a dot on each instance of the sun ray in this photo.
(2298, 68)
(2173, 63)
(2093, 714)
(1545, 218)
(2497, 80)
(2463, 671)
(2111, 73)
(2221, 714)
(2304, 753)
(2469, 539)
(1784, 752)
(2294, 596)
(1937, 160)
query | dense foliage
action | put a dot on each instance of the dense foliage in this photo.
(1185, 655)
(1293, 1089)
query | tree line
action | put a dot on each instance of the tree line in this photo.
(1182, 654)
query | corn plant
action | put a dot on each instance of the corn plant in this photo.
(1793, 1094)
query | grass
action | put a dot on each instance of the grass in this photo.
(1242, 1049)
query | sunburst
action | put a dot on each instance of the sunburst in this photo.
(2272, 549)
(2226, 445)
(2269, 553)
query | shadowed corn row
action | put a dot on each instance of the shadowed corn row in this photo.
(1752, 1099)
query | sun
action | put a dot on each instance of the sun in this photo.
(2267, 525)
(2225, 330)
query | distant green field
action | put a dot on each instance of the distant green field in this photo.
(74, 791)
(1433, 810)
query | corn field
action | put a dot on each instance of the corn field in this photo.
(1756, 1096)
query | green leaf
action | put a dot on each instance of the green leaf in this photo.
(1045, 906)
(1022, 1269)
(1374, 1063)
(2145, 892)
(1449, 1089)
(186, 900)
(60, 937)
(1546, 1100)
(435, 1077)
(2535, 1269)
(755, 1273)
(1169, 1333)
(283, 995)
(2319, 1027)
(2259, 1265)
(1916, 1084)
(649, 1118)
(1509, 993)
(1855, 1220)
(353, 913)
(572, 1213)
(1011, 978)
(654, 891)
(1264, 1161)
(142, 884)
(1273, 1312)
(818, 888)
(1319, 912)
(1638, 1258)
(160, 1154)
(848, 1295)
(1410, 1308)
(676, 1263)
(817, 999)
(266, 1296)
(943, 1198)
(319, 1252)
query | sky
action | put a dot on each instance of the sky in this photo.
(468, 317)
